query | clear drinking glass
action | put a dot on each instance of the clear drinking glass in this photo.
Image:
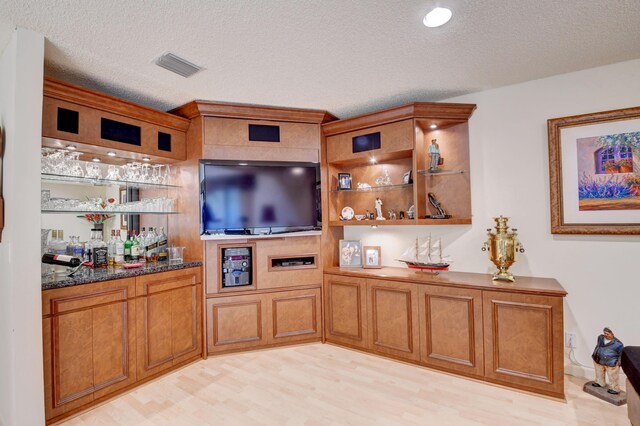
(113, 173)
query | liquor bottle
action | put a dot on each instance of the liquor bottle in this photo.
(135, 248)
(88, 253)
(163, 249)
(119, 258)
(50, 245)
(99, 250)
(127, 248)
(143, 245)
(111, 247)
(76, 247)
(151, 245)
(61, 260)
(59, 247)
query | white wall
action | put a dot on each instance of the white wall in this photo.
(510, 176)
(21, 381)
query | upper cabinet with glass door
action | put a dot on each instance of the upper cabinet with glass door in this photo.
(106, 161)
(414, 159)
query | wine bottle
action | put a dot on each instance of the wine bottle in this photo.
(127, 249)
(61, 259)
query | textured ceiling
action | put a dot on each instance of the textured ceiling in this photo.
(346, 57)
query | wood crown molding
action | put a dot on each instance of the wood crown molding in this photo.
(254, 112)
(433, 110)
(79, 95)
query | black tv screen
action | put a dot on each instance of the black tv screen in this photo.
(249, 195)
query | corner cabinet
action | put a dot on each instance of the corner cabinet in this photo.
(456, 322)
(386, 154)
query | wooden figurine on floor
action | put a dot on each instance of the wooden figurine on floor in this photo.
(606, 360)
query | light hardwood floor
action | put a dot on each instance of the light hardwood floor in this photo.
(327, 385)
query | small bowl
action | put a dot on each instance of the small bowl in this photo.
(360, 216)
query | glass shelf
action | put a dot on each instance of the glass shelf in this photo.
(377, 188)
(53, 178)
(81, 212)
(429, 172)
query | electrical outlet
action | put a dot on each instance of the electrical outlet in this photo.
(570, 340)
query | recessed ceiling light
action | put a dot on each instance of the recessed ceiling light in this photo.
(243, 164)
(437, 17)
(146, 159)
(71, 147)
(96, 160)
(111, 154)
(433, 126)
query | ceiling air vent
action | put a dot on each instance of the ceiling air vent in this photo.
(177, 65)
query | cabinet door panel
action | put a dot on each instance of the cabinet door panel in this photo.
(451, 328)
(184, 321)
(295, 315)
(236, 322)
(72, 356)
(168, 319)
(346, 310)
(523, 339)
(157, 329)
(393, 318)
(87, 343)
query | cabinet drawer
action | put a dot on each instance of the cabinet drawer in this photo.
(73, 298)
(164, 281)
(396, 141)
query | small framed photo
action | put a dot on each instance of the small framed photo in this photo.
(344, 181)
(350, 253)
(407, 177)
(372, 257)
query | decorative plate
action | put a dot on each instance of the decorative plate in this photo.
(347, 213)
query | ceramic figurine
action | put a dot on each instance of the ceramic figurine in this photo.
(379, 215)
(434, 153)
(606, 360)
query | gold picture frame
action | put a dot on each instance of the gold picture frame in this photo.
(575, 208)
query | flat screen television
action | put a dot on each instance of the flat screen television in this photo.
(256, 197)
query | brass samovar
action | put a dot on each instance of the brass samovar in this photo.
(503, 245)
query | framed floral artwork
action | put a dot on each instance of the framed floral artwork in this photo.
(594, 170)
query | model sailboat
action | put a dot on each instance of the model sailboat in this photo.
(426, 256)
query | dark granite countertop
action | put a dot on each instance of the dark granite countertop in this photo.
(88, 275)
